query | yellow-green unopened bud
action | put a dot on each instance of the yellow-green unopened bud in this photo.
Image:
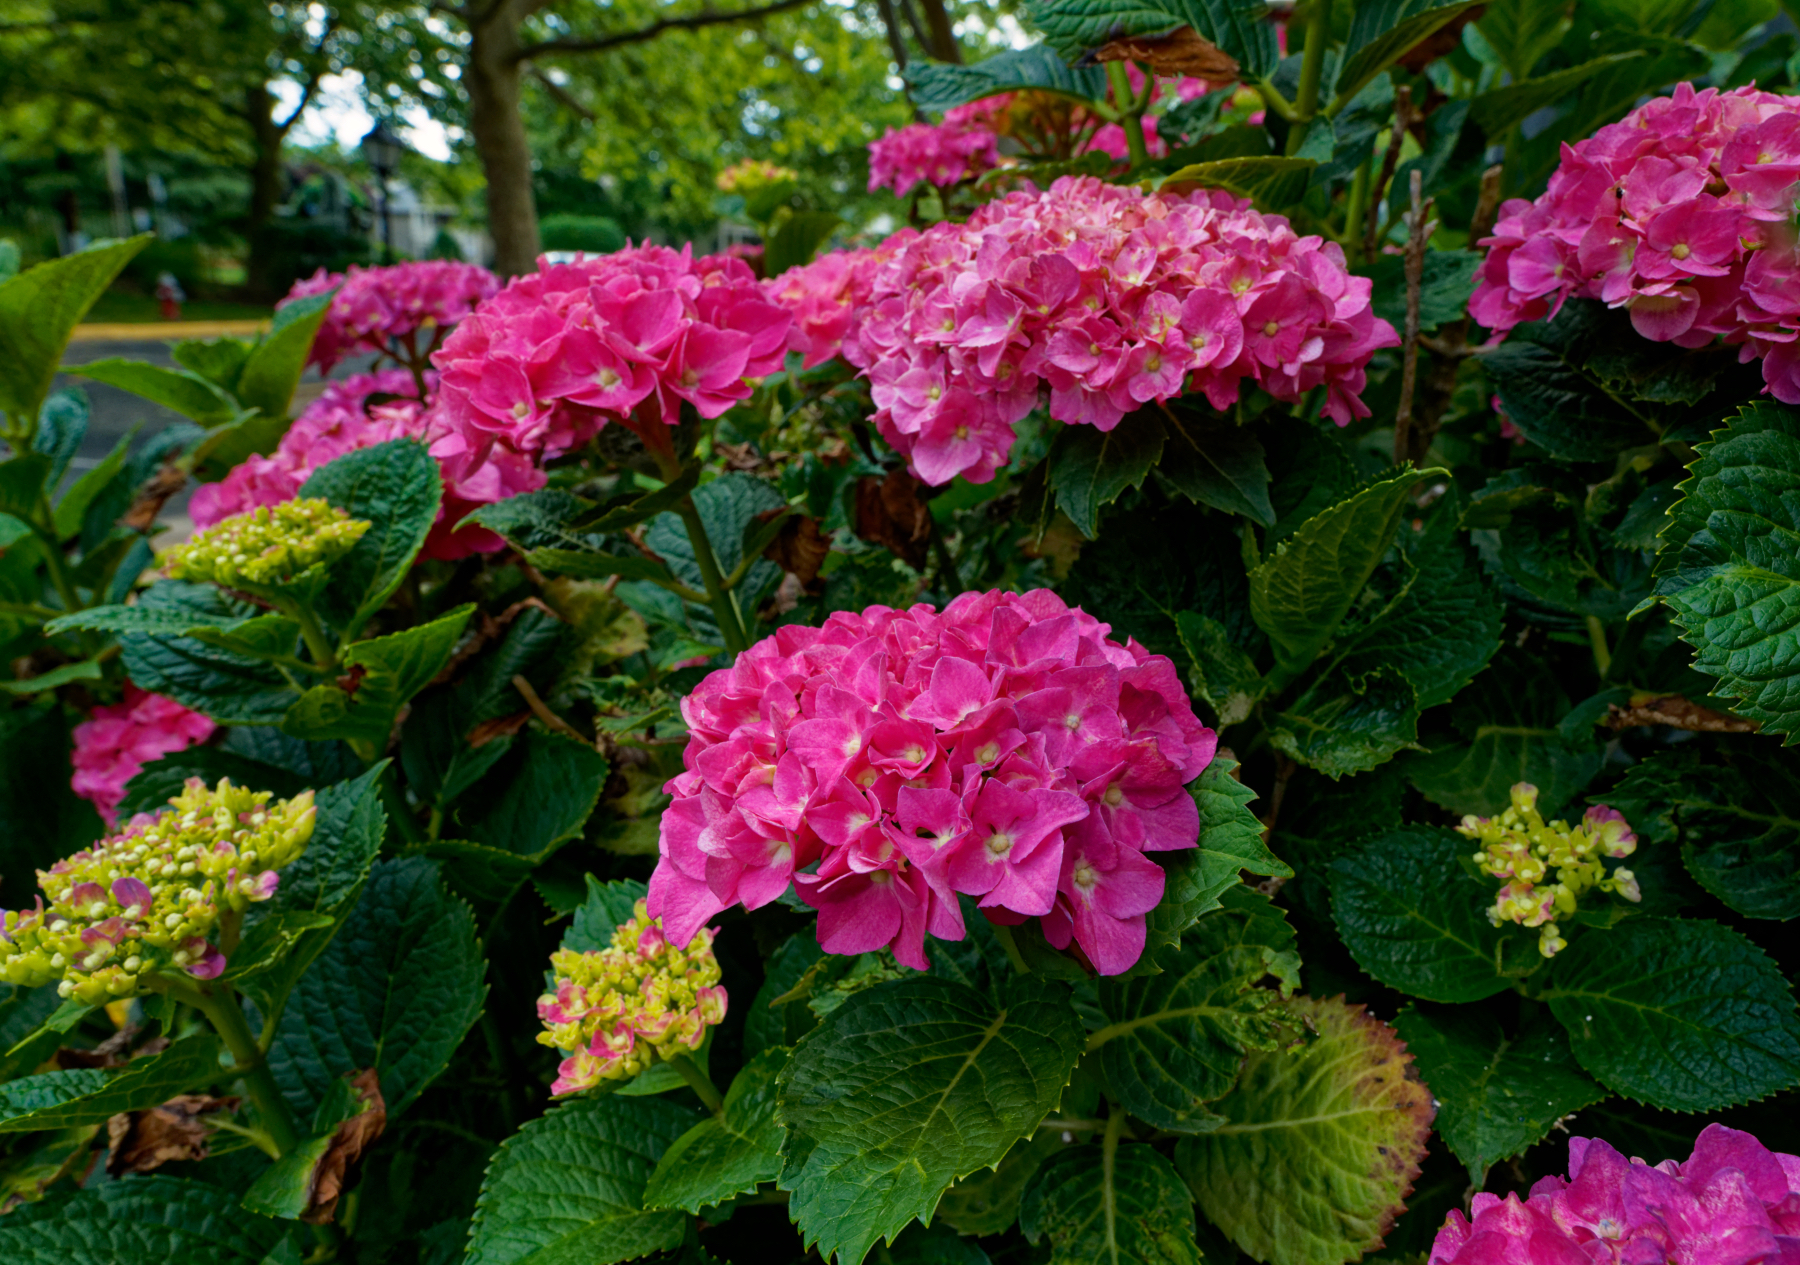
(618, 1010)
(1547, 866)
(149, 899)
(267, 546)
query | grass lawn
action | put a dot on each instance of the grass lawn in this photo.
(140, 309)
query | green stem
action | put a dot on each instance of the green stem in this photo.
(1312, 70)
(1109, 1154)
(949, 578)
(1130, 113)
(724, 608)
(700, 1083)
(397, 810)
(227, 1018)
(1004, 935)
(313, 635)
(1597, 636)
(1356, 206)
(53, 555)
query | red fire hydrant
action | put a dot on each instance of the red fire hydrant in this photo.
(169, 296)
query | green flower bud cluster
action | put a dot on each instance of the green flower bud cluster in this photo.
(618, 1010)
(149, 900)
(1546, 867)
(266, 546)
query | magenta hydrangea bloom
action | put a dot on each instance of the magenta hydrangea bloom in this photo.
(342, 420)
(1102, 298)
(1734, 1202)
(115, 742)
(891, 761)
(940, 154)
(629, 337)
(1680, 213)
(412, 303)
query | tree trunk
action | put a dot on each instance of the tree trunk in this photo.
(492, 75)
(943, 39)
(266, 137)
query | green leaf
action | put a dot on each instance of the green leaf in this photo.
(1444, 287)
(396, 487)
(138, 1219)
(1730, 565)
(188, 394)
(1231, 841)
(541, 519)
(628, 509)
(160, 780)
(286, 1188)
(1677, 1013)
(1522, 32)
(1174, 1041)
(587, 564)
(1508, 720)
(1090, 468)
(608, 905)
(549, 801)
(988, 1202)
(272, 370)
(55, 678)
(719, 1158)
(1435, 617)
(59, 1100)
(317, 889)
(62, 425)
(797, 238)
(1498, 109)
(1735, 812)
(1222, 674)
(1416, 921)
(228, 685)
(44, 819)
(219, 361)
(72, 507)
(943, 86)
(1496, 1094)
(1320, 1144)
(1212, 461)
(766, 1025)
(363, 705)
(1343, 725)
(22, 481)
(395, 990)
(1270, 181)
(39, 309)
(568, 1188)
(1380, 35)
(727, 506)
(1238, 27)
(908, 1086)
(1301, 593)
(1126, 1207)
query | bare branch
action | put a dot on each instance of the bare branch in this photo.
(553, 48)
(561, 94)
(1419, 230)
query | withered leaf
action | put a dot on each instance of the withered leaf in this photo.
(1440, 43)
(889, 512)
(1676, 712)
(801, 548)
(1181, 52)
(157, 489)
(353, 1137)
(139, 1141)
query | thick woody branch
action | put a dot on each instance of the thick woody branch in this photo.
(557, 48)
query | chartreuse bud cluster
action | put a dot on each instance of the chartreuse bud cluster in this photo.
(149, 900)
(1547, 866)
(618, 1010)
(267, 546)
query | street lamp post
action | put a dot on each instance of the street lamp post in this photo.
(381, 149)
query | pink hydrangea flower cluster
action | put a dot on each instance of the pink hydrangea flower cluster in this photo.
(540, 367)
(940, 154)
(374, 307)
(822, 295)
(113, 743)
(341, 421)
(1108, 298)
(1004, 748)
(1734, 1201)
(1680, 213)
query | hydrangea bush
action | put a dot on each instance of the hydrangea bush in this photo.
(1215, 691)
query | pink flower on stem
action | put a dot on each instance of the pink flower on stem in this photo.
(398, 310)
(116, 741)
(1680, 213)
(886, 764)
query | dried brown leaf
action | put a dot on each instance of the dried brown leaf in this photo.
(139, 1141)
(1677, 713)
(353, 1137)
(1183, 52)
(157, 489)
(801, 548)
(889, 512)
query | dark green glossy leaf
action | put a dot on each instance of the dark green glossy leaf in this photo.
(719, 1158)
(1382, 32)
(607, 905)
(57, 1100)
(139, 1219)
(186, 393)
(396, 487)
(1343, 725)
(39, 309)
(272, 370)
(362, 705)
(1677, 1013)
(1209, 460)
(1072, 27)
(943, 86)
(1134, 1208)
